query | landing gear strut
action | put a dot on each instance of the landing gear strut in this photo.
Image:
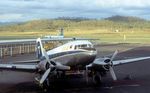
(95, 76)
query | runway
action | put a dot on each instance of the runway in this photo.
(132, 78)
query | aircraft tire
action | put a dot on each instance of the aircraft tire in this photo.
(97, 79)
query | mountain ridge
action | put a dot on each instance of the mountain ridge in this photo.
(118, 18)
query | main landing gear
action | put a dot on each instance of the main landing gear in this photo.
(97, 78)
(94, 77)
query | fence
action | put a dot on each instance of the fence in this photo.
(13, 49)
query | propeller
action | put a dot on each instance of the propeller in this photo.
(111, 66)
(114, 55)
(86, 74)
(46, 56)
(112, 73)
(51, 65)
(45, 75)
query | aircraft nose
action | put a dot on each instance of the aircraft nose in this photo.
(93, 52)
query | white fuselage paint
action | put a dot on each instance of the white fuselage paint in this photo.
(73, 54)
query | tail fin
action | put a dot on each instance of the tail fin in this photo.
(39, 48)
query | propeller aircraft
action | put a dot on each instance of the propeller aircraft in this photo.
(78, 55)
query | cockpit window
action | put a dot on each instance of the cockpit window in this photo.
(90, 46)
(82, 46)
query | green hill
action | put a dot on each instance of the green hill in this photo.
(118, 18)
(111, 23)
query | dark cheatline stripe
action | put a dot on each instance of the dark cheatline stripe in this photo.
(68, 52)
(61, 54)
(89, 49)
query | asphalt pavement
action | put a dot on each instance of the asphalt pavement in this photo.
(132, 78)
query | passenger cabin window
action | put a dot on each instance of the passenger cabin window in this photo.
(75, 47)
(82, 46)
(70, 47)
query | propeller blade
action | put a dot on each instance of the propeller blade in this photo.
(46, 56)
(62, 67)
(86, 74)
(45, 75)
(114, 55)
(112, 73)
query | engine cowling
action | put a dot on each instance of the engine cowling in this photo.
(107, 60)
(108, 63)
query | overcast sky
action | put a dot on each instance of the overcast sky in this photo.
(24, 10)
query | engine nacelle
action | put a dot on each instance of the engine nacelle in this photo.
(43, 65)
(107, 66)
(107, 60)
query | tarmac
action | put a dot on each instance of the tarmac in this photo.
(132, 78)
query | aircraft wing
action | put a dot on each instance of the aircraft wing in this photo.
(19, 67)
(119, 62)
(102, 61)
(29, 66)
(28, 61)
(108, 64)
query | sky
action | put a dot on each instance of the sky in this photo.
(25, 10)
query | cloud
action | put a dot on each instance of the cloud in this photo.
(10, 17)
(38, 9)
(122, 3)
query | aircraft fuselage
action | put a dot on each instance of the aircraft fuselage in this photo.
(74, 54)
